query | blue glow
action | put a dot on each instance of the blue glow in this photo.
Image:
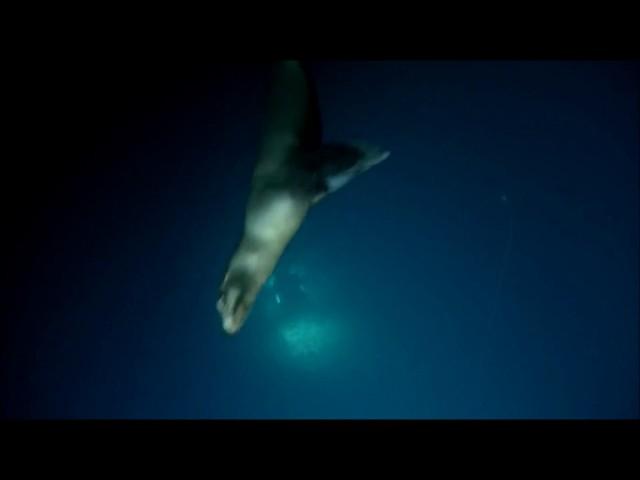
(305, 337)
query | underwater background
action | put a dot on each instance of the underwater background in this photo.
(488, 269)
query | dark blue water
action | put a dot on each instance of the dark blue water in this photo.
(487, 269)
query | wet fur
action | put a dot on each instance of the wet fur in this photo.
(274, 214)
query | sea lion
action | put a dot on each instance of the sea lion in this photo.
(294, 171)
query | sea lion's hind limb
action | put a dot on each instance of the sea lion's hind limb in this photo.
(293, 114)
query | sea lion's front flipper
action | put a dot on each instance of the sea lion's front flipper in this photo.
(293, 116)
(334, 165)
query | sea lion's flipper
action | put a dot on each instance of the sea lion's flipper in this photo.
(293, 116)
(334, 165)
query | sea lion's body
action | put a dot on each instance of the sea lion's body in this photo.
(293, 172)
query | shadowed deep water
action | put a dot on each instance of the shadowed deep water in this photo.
(487, 269)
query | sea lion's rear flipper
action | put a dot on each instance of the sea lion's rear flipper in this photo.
(334, 165)
(293, 116)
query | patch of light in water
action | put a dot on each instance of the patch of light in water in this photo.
(305, 337)
(312, 341)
